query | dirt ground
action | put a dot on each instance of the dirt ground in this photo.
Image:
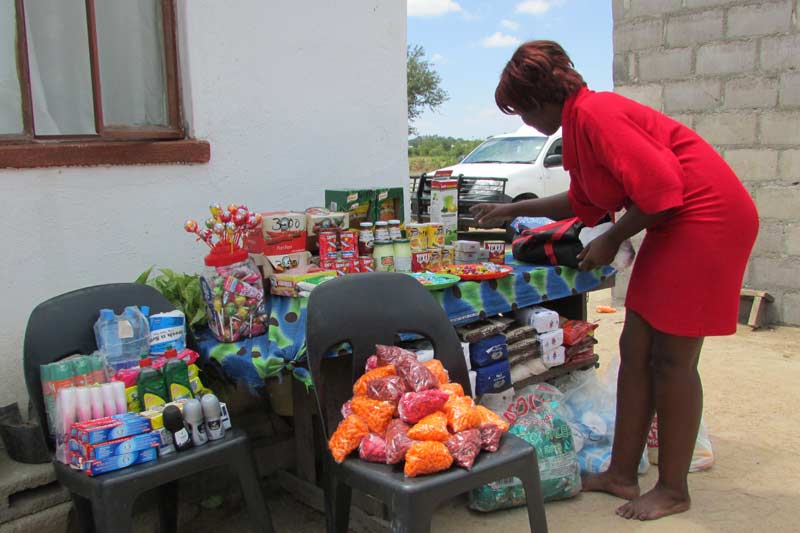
(749, 380)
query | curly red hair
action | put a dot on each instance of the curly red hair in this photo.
(538, 72)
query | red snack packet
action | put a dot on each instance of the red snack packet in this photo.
(435, 366)
(388, 389)
(465, 447)
(397, 441)
(347, 437)
(490, 437)
(375, 413)
(577, 330)
(432, 427)
(389, 355)
(461, 414)
(417, 376)
(372, 449)
(414, 406)
(360, 386)
(427, 458)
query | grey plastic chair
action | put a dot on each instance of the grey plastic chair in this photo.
(369, 309)
(62, 326)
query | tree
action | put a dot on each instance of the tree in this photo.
(423, 85)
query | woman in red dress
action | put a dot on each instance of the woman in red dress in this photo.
(701, 226)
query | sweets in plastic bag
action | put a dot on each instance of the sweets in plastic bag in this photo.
(360, 386)
(490, 437)
(464, 447)
(372, 449)
(577, 330)
(389, 389)
(426, 458)
(389, 355)
(346, 411)
(432, 427)
(347, 437)
(461, 414)
(414, 406)
(397, 441)
(371, 364)
(490, 417)
(375, 413)
(453, 389)
(435, 366)
(417, 376)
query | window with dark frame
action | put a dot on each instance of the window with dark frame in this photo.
(91, 82)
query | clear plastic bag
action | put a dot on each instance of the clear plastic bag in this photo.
(390, 389)
(465, 447)
(234, 296)
(375, 413)
(417, 376)
(427, 458)
(372, 449)
(347, 437)
(414, 406)
(702, 457)
(389, 355)
(397, 441)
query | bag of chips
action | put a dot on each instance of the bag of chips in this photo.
(372, 449)
(576, 330)
(417, 376)
(389, 389)
(360, 386)
(432, 427)
(426, 458)
(397, 441)
(389, 355)
(461, 414)
(414, 406)
(375, 413)
(435, 366)
(453, 389)
(490, 437)
(490, 417)
(465, 447)
(347, 437)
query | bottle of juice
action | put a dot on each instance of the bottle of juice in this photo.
(176, 374)
(150, 384)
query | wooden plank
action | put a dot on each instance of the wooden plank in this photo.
(755, 312)
(304, 432)
(752, 293)
(23, 70)
(94, 64)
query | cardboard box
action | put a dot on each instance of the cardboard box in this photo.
(279, 264)
(358, 203)
(282, 232)
(286, 284)
(332, 220)
(444, 207)
(388, 205)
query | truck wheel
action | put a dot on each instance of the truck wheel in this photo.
(510, 234)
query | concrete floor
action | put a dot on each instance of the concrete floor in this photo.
(750, 380)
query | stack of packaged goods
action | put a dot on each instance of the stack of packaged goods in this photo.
(429, 250)
(579, 340)
(488, 351)
(538, 343)
(112, 443)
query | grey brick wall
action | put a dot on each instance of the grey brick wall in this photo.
(729, 69)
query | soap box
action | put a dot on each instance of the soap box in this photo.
(116, 447)
(556, 357)
(115, 462)
(542, 319)
(551, 340)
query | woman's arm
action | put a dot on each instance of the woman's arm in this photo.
(557, 207)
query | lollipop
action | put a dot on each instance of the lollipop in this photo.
(215, 210)
(240, 219)
(219, 229)
(225, 216)
(252, 222)
(210, 223)
(190, 226)
(232, 208)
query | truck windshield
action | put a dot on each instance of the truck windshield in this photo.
(507, 150)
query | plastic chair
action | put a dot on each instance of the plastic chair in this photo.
(370, 309)
(62, 326)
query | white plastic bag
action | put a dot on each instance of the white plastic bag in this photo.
(703, 456)
(625, 255)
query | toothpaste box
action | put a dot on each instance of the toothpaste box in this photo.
(93, 467)
(116, 447)
(110, 428)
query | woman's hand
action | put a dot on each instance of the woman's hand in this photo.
(491, 215)
(599, 252)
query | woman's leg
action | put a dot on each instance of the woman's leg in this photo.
(679, 404)
(634, 411)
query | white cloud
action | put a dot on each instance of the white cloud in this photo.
(432, 8)
(500, 40)
(510, 24)
(536, 7)
(438, 58)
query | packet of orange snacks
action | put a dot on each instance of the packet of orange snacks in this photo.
(427, 457)
(461, 414)
(454, 389)
(432, 427)
(347, 437)
(375, 413)
(360, 386)
(490, 417)
(435, 366)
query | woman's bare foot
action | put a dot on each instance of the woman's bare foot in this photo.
(611, 484)
(655, 504)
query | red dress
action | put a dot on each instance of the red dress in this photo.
(689, 270)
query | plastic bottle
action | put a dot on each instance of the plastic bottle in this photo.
(212, 412)
(150, 385)
(122, 338)
(195, 423)
(176, 374)
(173, 422)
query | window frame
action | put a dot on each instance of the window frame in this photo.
(110, 145)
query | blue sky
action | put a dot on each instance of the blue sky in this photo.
(470, 41)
